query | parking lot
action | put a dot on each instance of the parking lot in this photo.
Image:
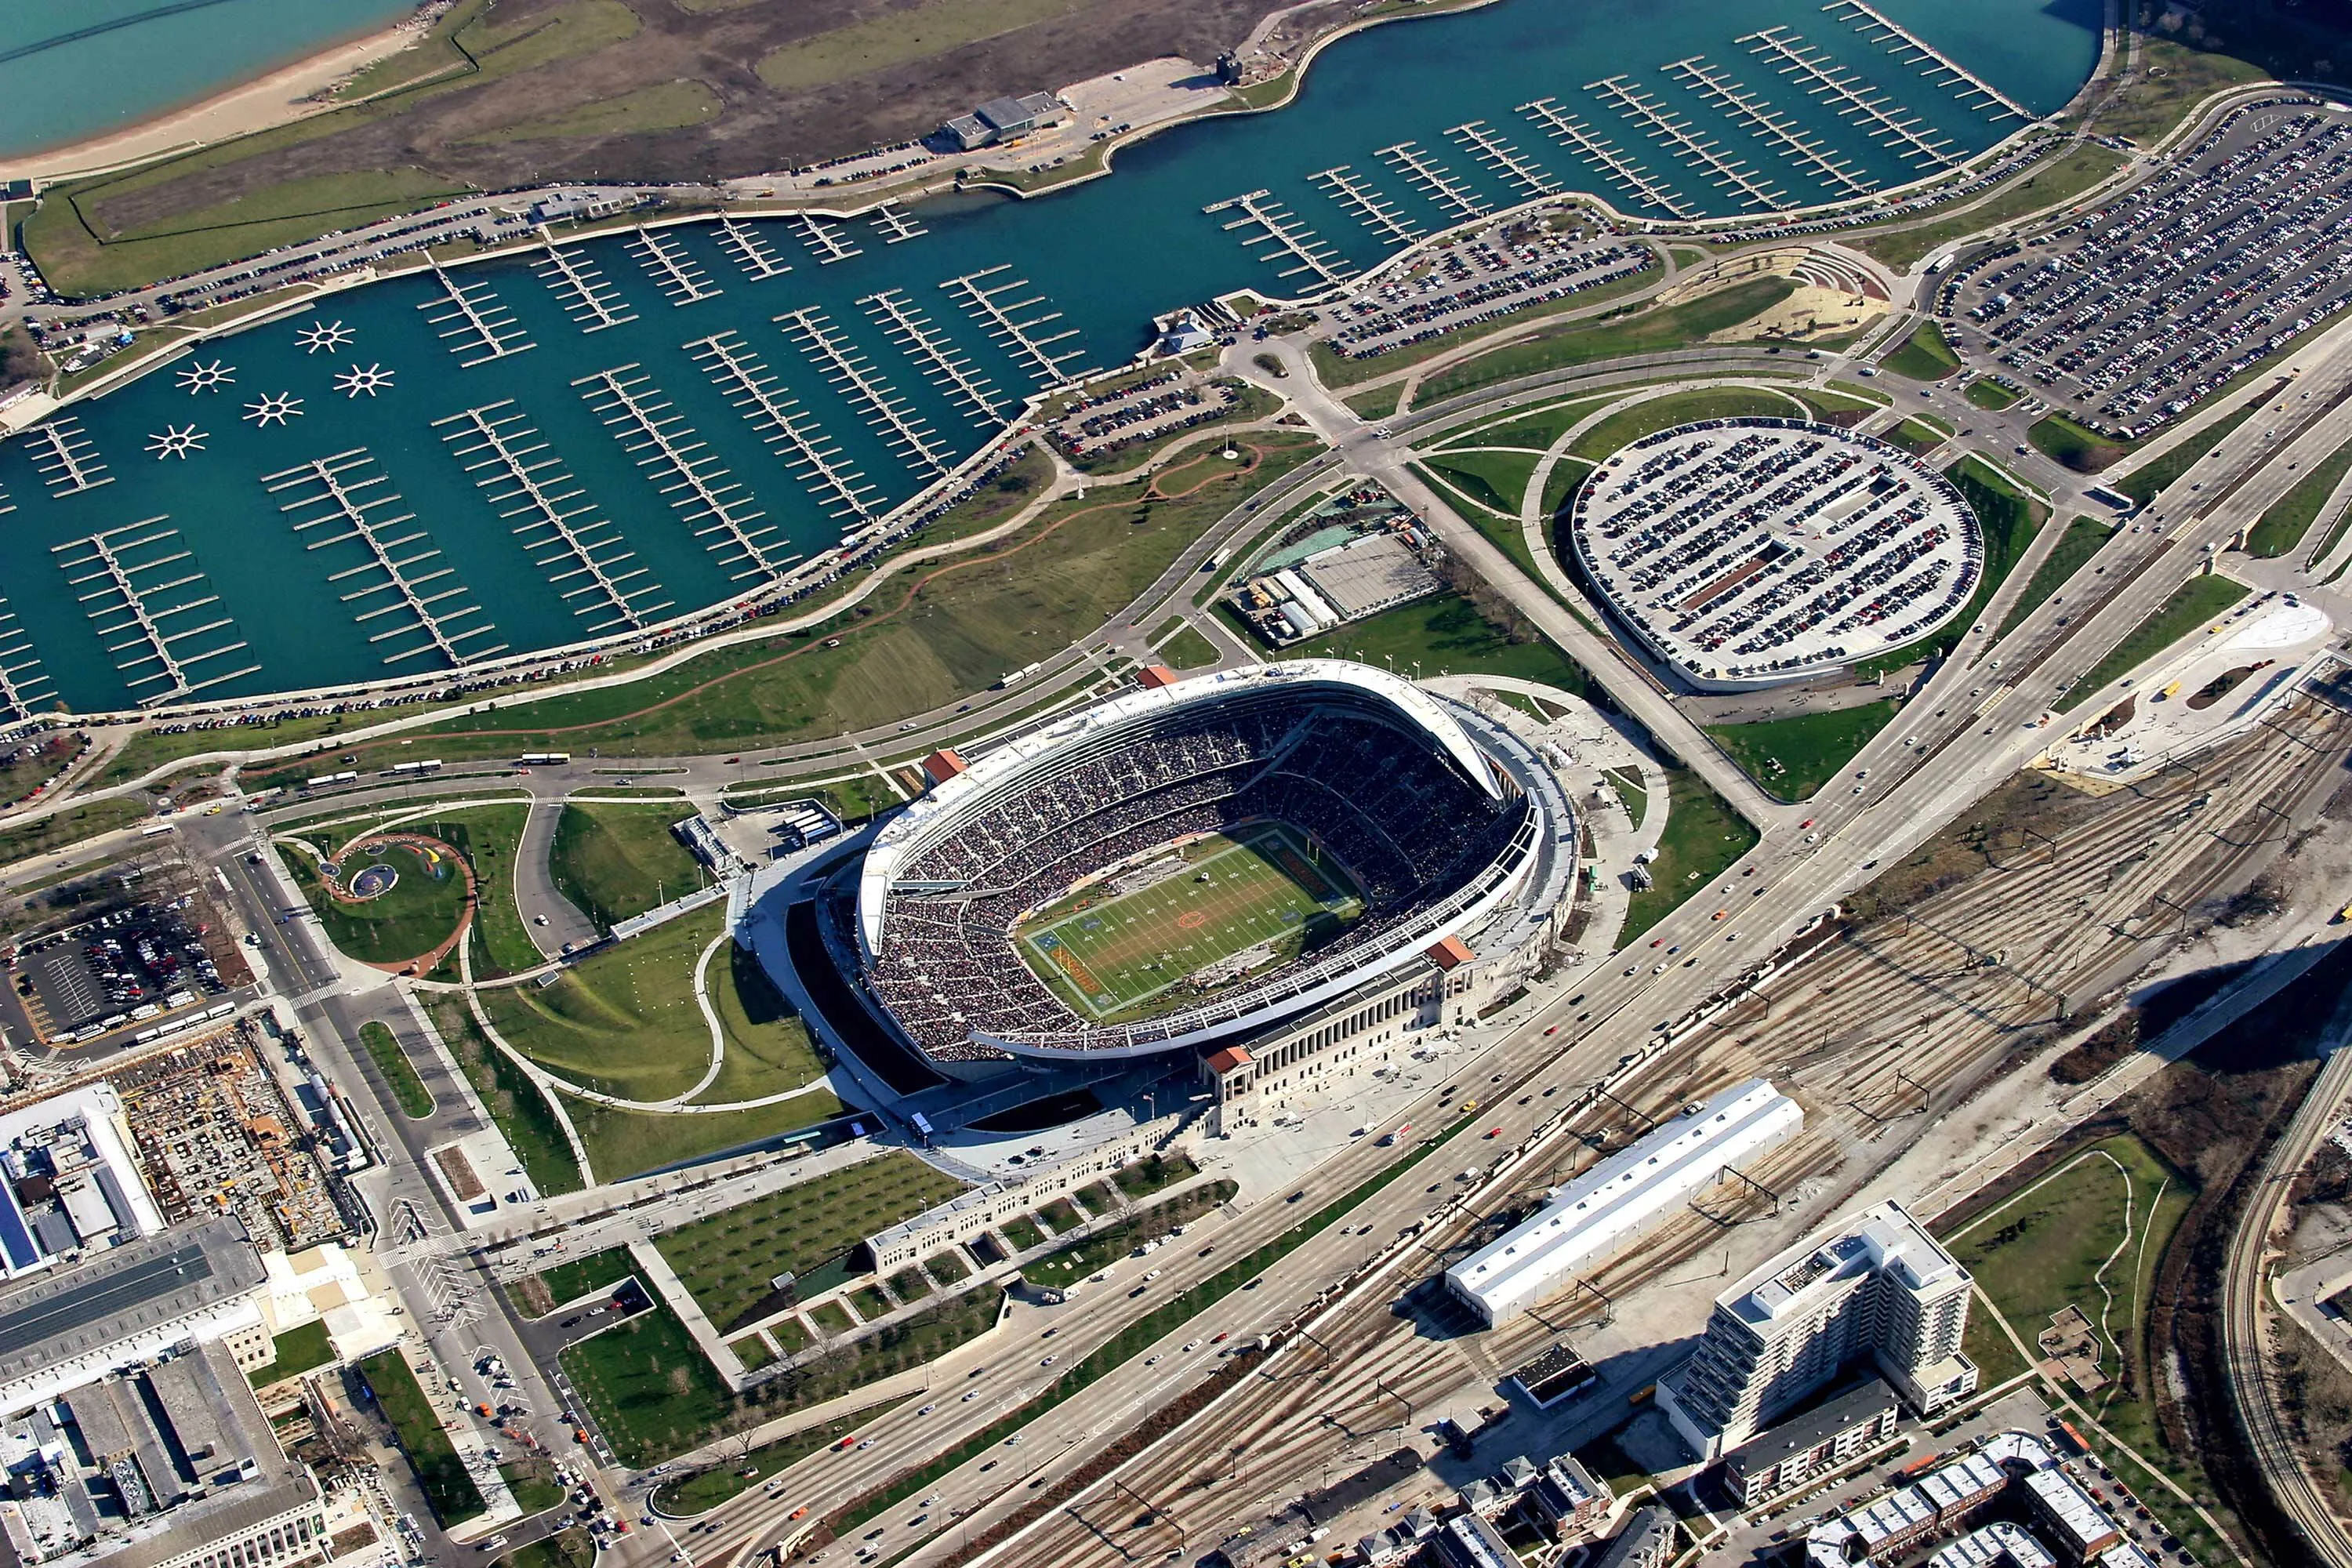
(1750, 552)
(2128, 315)
(1504, 268)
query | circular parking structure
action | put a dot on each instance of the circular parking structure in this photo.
(1752, 553)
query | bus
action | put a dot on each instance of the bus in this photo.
(153, 828)
(545, 759)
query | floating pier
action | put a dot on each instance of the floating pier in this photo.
(123, 563)
(750, 250)
(65, 457)
(675, 272)
(1373, 210)
(824, 239)
(812, 456)
(23, 684)
(682, 467)
(582, 554)
(1935, 65)
(1436, 181)
(1596, 149)
(894, 222)
(6, 506)
(584, 291)
(1016, 324)
(904, 430)
(950, 370)
(343, 493)
(1690, 145)
(1852, 97)
(1711, 83)
(1489, 147)
(469, 319)
(1286, 235)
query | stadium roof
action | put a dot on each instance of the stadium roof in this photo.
(949, 797)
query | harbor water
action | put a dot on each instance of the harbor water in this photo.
(684, 443)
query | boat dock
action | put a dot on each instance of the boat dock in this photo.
(894, 224)
(682, 466)
(1713, 84)
(587, 296)
(674, 272)
(1935, 65)
(65, 457)
(1690, 145)
(811, 455)
(904, 430)
(117, 559)
(343, 490)
(1851, 99)
(1596, 149)
(824, 239)
(750, 250)
(1286, 235)
(23, 684)
(580, 552)
(1016, 325)
(1489, 147)
(1373, 210)
(1434, 179)
(950, 370)
(469, 319)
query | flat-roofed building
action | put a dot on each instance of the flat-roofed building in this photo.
(1870, 1286)
(1804, 1448)
(1565, 1501)
(1619, 1198)
(1998, 1545)
(1471, 1541)
(2071, 1516)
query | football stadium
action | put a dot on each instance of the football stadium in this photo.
(1192, 860)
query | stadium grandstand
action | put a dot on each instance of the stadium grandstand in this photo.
(1192, 859)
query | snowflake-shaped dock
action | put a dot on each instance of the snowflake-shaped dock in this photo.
(321, 335)
(175, 441)
(371, 380)
(274, 409)
(209, 377)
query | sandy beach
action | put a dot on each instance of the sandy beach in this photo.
(257, 105)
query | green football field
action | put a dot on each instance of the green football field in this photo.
(1112, 953)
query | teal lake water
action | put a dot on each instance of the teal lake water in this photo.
(1107, 256)
(72, 71)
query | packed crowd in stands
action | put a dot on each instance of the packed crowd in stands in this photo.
(1776, 541)
(1476, 282)
(1407, 825)
(2134, 311)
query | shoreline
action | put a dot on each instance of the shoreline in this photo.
(277, 95)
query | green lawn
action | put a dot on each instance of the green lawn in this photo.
(768, 1045)
(1187, 649)
(1987, 393)
(490, 835)
(1336, 370)
(1648, 417)
(398, 1071)
(1114, 1242)
(1641, 331)
(415, 916)
(565, 1549)
(946, 633)
(449, 1490)
(2191, 606)
(1703, 836)
(1535, 429)
(2058, 178)
(615, 861)
(2083, 450)
(1495, 480)
(2009, 520)
(727, 1259)
(2144, 483)
(597, 1271)
(622, 1144)
(1823, 404)
(2078, 544)
(1444, 635)
(2283, 527)
(532, 1478)
(298, 1350)
(659, 106)
(1916, 436)
(651, 1391)
(56, 831)
(1794, 757)
(832, 1318)
(1924, 356)
(623, 1021)
(702, 1491)
(514, 1103)
(1626, 785)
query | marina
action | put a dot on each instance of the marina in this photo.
(132, 594)
(772, 458)
(1852, 97)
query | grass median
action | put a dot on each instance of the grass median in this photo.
(414, 1100)
(615, 861)
(441, 1475)
(1703, 838)
(1637, 331)
(1794, 757)
(2192, 605)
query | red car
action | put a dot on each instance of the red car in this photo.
(1494, 1133)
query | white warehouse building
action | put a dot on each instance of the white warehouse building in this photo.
(1619, 1198)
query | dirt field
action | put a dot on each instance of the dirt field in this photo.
(521, 101)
